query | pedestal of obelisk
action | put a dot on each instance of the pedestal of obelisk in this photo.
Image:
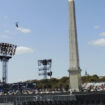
(74, 70)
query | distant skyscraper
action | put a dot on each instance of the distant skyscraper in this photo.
(74, 70)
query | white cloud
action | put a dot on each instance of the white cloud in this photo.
(24, 30)
(102, 34)
(96, 27)
(99, 42)
(23, 50)
(6, 31)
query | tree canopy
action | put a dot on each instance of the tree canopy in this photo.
(63, 82)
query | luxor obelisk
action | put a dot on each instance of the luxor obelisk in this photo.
(74, 70)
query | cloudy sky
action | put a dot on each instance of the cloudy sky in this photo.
(43, 33)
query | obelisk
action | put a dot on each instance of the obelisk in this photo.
(74, 70)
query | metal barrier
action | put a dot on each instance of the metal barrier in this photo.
(78, 99)
(35, 98)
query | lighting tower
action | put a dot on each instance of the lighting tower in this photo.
(45, 66)
(6, 52)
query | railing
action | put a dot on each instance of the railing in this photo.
(34, 98)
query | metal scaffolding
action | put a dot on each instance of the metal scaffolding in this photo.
(45, 66)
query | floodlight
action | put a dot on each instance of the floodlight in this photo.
(45, 66)
(6, 52)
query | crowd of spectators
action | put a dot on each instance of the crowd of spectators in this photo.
(30, 88)
(27, 88)
(17, 88)
(99, 86)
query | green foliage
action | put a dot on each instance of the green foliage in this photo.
(52, 83)
(55, 83)
(89, 78)
(102, 79)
